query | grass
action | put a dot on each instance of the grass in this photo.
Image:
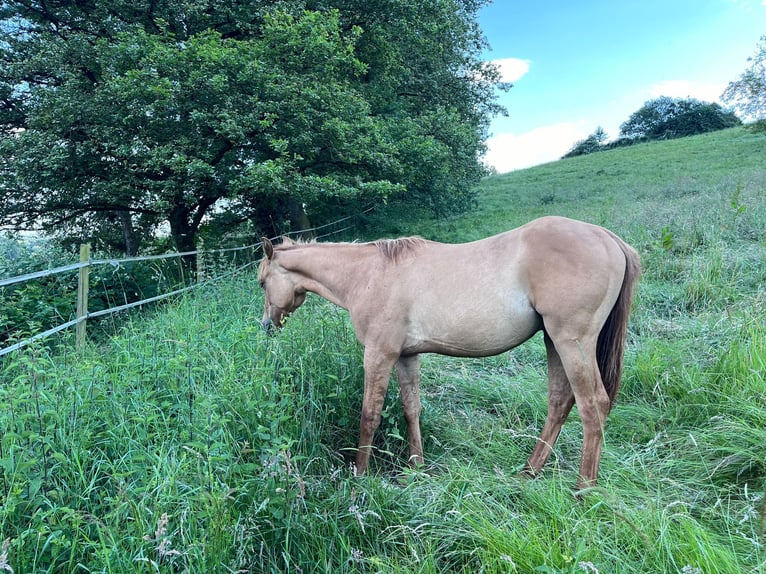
(191, 442)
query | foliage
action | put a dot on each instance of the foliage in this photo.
(591, 144)
(748, 93)
(35, 306)
(661, 118)
(193, 442)
(665, 117)
(116, 118)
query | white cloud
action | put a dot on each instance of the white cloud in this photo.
(512, 69)
(707, 92)
(507, 152)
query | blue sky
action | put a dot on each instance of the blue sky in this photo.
(577, 65)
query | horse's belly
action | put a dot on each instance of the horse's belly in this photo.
(473, 330)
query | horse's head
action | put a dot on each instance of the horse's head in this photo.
(281, 293)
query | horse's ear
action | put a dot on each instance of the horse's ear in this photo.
(268, 248)
(287, 241)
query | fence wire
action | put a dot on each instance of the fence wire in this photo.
(118, 262)
(40, 274)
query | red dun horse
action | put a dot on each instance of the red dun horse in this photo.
(572, 280)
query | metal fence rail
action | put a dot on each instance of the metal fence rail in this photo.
(40, 274)
(82, 289)
(85, 263)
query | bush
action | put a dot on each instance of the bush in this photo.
(593, 143)
(666, 117)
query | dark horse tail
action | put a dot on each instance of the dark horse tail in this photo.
(611, 340)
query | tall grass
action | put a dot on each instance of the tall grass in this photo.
(192, 442)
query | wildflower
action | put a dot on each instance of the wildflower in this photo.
(163, 549)
(4, 565)
(588, 567)
(356, 555)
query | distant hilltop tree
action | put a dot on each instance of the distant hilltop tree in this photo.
(666, 117)
(661, 118)
(593, 143)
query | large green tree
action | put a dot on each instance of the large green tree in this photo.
(117, 117)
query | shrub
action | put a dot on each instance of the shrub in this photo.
(665, 117)
(593, 143)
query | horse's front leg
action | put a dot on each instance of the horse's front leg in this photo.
(408, 372)
(377, 370)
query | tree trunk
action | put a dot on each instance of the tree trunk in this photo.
(132, 241)
(299, 220)
(184, 235)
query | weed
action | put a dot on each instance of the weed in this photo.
(667, 239)
(161, 543)
(5, 566)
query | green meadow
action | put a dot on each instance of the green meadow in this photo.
(191, 442)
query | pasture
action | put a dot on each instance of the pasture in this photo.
(192, 442)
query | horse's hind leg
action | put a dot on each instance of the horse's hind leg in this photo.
(578, 358)
(408, 372)
(560, 401)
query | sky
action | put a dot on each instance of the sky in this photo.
(579, 65)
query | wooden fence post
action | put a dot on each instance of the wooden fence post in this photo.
(83, 281)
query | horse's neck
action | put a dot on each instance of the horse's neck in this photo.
(332, 271)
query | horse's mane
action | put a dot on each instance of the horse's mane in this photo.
(393, 249)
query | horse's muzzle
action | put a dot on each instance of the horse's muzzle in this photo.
(268, 326)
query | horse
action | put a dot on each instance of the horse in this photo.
(408, 296)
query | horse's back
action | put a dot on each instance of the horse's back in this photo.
(467, 299)
(487, 296)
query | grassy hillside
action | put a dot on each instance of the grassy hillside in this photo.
(191, 442)
(637, 190)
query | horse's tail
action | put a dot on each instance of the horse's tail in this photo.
(611, 339)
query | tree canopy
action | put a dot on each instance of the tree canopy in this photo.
(117, 117)
(748, 93)
(666, 117)
(593, 143)
(661, 118)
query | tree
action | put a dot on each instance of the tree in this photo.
(666, 117)
(593, 143)
(118, 115)
(426, 75)
(748, 93)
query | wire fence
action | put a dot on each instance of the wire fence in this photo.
(83, 314)
(206, 271)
